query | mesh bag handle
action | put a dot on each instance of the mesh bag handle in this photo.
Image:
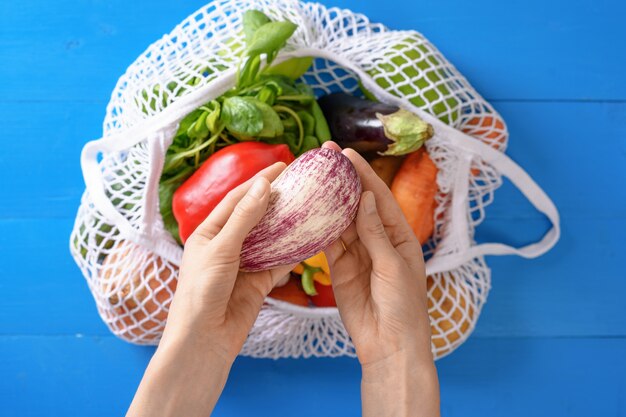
(473, 148)
(165, 124)
(158, 128)
(131, 262)
(522, 181)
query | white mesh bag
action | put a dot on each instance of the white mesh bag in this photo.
(130, 261)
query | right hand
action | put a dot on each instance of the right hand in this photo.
(379, 278)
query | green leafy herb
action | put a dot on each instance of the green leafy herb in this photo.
(272, 125)
(293, 68)
(166, 193)
(267, 104)
(241, 116)
(270, 37)
(252, 20)
(322, 131)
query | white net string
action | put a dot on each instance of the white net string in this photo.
(132, 286)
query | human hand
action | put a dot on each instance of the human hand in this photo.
(379, 278)
(213, 309)
(215, 303)
(379, 282)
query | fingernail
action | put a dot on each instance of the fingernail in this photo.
(258, 189)
(369, 203)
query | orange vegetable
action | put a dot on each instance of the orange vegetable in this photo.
(414, 188)
(291, 292)
(451, 310)
(487, 128)
(138, 291)
(386, 167)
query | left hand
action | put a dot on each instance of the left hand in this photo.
(215, 304)
(214, 307)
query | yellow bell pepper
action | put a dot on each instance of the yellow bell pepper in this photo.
(313, 269)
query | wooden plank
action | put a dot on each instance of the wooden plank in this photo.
(46, 293)
(575, 151)
(67, 50)
(41, 156)
(583, 175)
(575, 290)
(486, 377)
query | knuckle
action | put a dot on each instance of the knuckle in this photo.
(376, 229)
(245, 207)
(197, 238)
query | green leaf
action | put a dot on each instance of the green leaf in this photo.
(241, 116)
(407, 130)
(270, 37)
(188, 121)
(267, 95)
(272, 125)
(291, 139)
(322, 131)
(249, 72)
(293, 68)
(213, 117)
(166, 194)
(309, 142)
(284, 85)
(308, 122)
(199, 129)
(253, 20)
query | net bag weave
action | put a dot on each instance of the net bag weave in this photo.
(131, 263)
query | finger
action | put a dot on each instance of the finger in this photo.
(340, 246)
(244, 217)
(372, 231)
(214, 222)
(387, 208)
(350, 235)
(277, 274)
(331, 145)
(334, 252)
(251, 289)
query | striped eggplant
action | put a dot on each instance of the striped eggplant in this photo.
(311, 204)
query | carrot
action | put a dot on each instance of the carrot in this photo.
(414, 188)
(291, 292)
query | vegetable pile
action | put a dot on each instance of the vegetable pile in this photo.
(271, 116)
(266, 105)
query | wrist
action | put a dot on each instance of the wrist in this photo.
(191, 349)
(181, 379)
(400, 384)
(404, 361)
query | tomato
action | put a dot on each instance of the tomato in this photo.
(227, 168)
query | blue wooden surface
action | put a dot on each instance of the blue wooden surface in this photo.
(552, 338)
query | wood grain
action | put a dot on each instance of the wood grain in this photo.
(552, 337)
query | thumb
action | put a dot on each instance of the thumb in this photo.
(246, 214)
(372, 231)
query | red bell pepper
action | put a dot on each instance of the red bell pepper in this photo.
(196, 198)
(325, 296)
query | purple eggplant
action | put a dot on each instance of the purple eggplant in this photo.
(311, 204)
(373, 128)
